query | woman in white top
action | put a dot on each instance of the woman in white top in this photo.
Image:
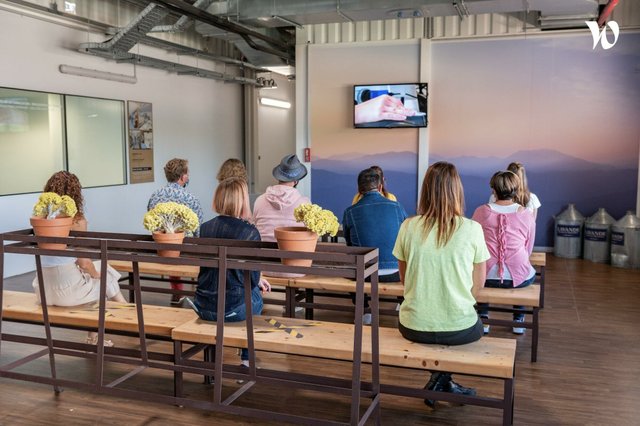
(69, 281)
(524, 197)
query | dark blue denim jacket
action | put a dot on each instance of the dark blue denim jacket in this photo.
(374, 221)
(206, 298)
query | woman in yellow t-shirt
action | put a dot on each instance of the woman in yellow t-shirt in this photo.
(383, 191)
(441, 257)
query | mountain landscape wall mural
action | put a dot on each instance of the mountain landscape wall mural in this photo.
(335, 178)
(568, 112)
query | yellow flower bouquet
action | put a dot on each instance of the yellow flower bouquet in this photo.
(53, 217)
(51, 205)
(316, 219)
(171, 218)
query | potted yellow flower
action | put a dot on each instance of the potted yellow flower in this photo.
(53, 217)
(169, 222)
(317, 222)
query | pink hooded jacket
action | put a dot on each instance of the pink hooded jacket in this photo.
(274, 209)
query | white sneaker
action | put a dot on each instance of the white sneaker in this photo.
(298, 309)
(519, 330)
(485, 327)
(366, 319)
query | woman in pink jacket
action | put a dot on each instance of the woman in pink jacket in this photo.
(509, 231)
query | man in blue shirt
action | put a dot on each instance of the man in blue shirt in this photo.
(374, 221)
(177, 173)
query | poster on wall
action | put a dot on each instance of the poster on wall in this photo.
(140, 126)
(541, 101)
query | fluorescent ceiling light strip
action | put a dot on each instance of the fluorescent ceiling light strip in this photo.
(275, 103)
(102, 75)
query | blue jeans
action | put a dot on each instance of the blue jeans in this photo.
(239, 313)
(482, 307)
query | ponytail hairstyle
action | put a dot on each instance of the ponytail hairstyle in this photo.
(441, 201)
(524, 195)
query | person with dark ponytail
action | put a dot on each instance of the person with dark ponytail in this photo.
(524, 197)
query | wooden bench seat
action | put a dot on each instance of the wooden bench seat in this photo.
(527, 296)
(158, 320)
(497, 298)
(489, 357)
(183, 272)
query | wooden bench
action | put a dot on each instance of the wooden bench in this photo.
(503, 300)
(120, 317)
(489, 357)
(499, 300)
(156, 271)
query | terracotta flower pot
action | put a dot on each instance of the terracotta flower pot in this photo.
(296, 238)
(58, 227)
(175, 238)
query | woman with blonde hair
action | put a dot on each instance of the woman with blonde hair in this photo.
(509, 230)
(69, 281)
(441, 256)
(524, 197)
(229, 200)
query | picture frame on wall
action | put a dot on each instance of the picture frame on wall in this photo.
(140, 140)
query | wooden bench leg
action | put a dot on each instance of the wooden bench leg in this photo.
(289, 302)
(507, 412)
(534, 336)
(132, 294)
(177, 375)
(209, 356)
(542, 282)
(308, 312)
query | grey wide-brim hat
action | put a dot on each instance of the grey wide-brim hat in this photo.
(289, 169)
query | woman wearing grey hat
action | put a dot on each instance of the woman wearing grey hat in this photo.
(274, 208)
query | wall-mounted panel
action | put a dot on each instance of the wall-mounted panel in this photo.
(31, 139)
(96, 140)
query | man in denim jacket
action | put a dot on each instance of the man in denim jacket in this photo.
(374, 221)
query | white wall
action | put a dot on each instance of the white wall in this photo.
(194, 118)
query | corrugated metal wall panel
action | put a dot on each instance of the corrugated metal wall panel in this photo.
(627, 14)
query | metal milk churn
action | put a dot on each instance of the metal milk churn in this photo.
(625, 242)
(568, 233)
(597, 236)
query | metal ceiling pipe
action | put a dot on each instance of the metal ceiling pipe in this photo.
(608, 9)
(195, 13)
(180, 69)
(182, 22)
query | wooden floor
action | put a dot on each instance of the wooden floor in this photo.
(588, 369)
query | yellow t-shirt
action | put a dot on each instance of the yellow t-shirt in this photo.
(358, 196)
(438, 280)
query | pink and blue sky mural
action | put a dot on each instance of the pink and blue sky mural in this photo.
(569, 113)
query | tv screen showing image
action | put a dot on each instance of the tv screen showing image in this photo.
(390, 106)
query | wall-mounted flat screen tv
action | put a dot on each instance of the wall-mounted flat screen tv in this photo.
(390, 106)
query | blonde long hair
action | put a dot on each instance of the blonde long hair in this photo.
(441, 201)
(524, 195)
(232, 198)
